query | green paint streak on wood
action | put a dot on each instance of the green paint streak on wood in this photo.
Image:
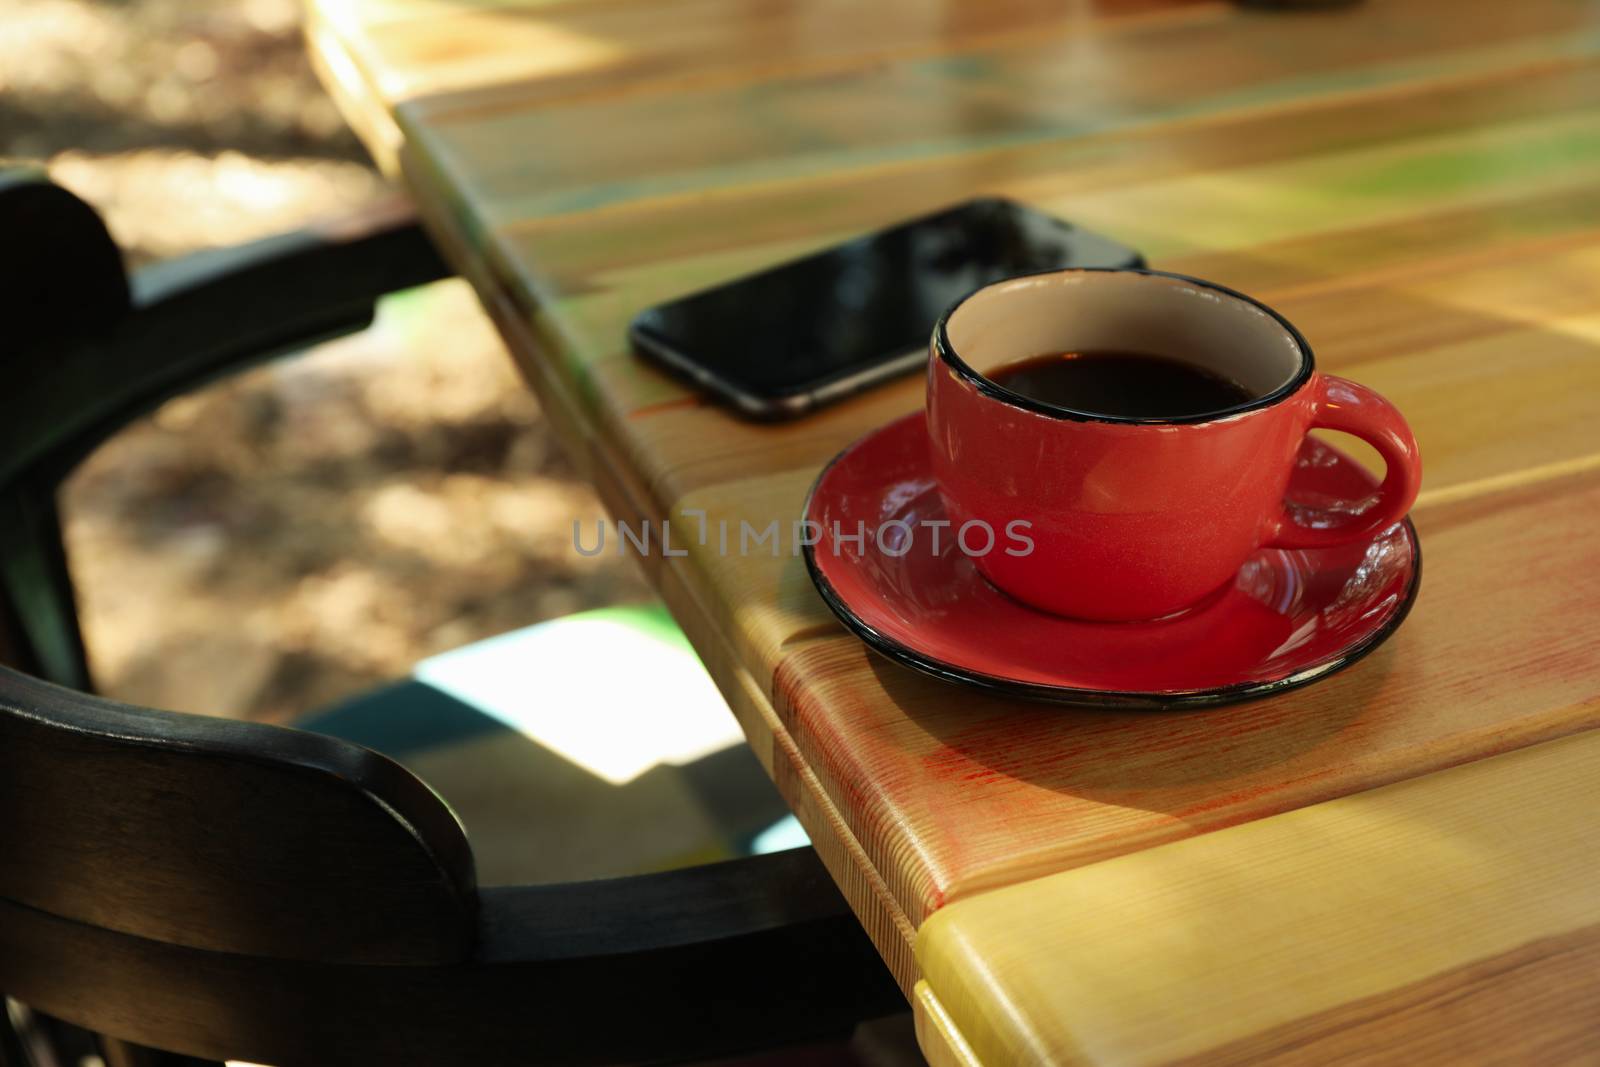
(1017, 116)
(1488, 162)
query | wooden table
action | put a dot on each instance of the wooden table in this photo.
(1415, 183)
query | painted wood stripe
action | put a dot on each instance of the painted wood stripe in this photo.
(1451, 918)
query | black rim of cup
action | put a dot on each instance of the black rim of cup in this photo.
(994, 390)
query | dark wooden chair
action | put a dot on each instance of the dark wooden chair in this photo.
(221, 889)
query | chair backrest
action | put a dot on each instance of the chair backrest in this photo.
(61, 279)
(62, 272)
(224, 836)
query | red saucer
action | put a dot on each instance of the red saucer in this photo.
(1290, 617)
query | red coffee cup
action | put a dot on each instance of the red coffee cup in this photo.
(1134, 517)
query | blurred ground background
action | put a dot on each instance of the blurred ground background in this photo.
(311, 528)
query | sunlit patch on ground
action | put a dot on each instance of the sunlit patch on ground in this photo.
(163, 202)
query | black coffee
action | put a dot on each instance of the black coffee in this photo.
(1130, 384)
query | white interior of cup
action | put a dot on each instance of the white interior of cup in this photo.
(1076, 311)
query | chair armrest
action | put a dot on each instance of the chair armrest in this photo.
(199, 317)
(733, 900)
(702, 961)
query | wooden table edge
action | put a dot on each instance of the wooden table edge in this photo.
(858, 879)
(1398, 1007)
(937, 1034)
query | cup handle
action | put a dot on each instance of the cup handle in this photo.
(1341, 404)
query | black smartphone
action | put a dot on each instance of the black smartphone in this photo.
(779, 343)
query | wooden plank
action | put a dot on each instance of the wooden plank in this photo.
(819, 207)
(497, 55)
(941, 1042)
(1308, 217)
(953, 792)
(946, 108)
(353, 93)
(1449, 919)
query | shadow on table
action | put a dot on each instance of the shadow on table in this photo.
(1155, 760)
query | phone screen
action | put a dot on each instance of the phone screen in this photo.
(799, 327)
